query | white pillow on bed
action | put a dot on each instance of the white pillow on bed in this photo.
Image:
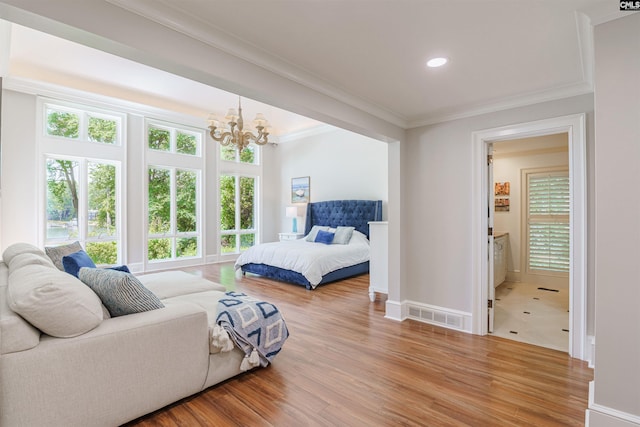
(311, 237)
(358, 238)
(342, 235)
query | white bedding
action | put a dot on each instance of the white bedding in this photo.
(312, 260)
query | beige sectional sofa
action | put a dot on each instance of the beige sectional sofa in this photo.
(121, 368)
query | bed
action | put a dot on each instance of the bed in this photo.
(311, 264)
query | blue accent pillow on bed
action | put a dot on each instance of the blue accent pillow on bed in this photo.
(72, 263)
(311, 237)
(325, 237)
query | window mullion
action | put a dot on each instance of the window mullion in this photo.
(173, 210)
(83, 174)
(237, 215)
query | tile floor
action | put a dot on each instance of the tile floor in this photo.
(528, 314)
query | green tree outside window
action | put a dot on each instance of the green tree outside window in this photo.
(159, 139)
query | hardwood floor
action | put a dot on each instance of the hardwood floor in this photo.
(344, 364)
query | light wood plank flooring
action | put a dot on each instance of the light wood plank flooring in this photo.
(344, 364)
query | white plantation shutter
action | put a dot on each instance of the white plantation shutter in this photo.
(548, 221)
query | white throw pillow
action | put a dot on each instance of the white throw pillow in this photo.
(311, 237)
(343, 235)
(53, 301)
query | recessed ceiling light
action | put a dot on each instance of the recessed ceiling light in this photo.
(436, 62)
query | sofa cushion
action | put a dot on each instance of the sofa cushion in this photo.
(21, 248)
(16, 334)
(120, 292)
(53, 301)
(173, 283)
(56, 253)
(28, 258)
(72, 263)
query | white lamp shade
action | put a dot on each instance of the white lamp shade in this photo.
(232, 115)
(260, 120)
(292, 212)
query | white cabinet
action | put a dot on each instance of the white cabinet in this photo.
(500, 247)
(290, 236)
(378, 264)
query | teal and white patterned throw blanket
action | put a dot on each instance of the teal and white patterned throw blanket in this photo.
(256, 327)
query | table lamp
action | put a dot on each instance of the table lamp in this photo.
(292, 212)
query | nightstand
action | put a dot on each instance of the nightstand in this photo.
(290, 236)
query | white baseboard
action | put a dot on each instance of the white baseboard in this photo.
(393, 311)
(602, 416)
(590, 357)
(595, 417)
(514, 276)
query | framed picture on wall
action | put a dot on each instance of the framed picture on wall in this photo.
(502, 205)
(300, 189)
(503, 188)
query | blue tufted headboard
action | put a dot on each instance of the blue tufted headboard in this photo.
(334, 213)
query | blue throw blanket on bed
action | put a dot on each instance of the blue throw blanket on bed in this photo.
(256, 327)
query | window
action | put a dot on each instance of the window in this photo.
(173, 140)
(173, 213)
(548, 232)
(174, 167)
(230, 153)
(82, 181)
(82, 125)
(237, 213)
(82, 205)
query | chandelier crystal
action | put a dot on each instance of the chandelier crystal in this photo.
(231, 132)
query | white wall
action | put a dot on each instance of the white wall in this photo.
(616, 385)
(437, 236)
(19, 160)
(508, 168)
(340, 164)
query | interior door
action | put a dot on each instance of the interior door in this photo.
(490, 204)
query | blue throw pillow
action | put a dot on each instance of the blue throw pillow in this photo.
(325, 237)
(73, 262)
(120, 268)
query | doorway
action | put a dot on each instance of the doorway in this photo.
(531, 259)
(574, 126)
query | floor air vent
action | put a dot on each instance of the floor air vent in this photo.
(436, 317)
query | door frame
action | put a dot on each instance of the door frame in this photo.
(574, 126)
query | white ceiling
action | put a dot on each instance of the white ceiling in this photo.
(369, 53)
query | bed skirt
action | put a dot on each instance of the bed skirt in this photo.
(290, 276)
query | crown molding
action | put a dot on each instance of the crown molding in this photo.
(505, 104)
(172, 17)
(603, 13)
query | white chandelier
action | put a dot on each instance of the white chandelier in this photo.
(231, 132)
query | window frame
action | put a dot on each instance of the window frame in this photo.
(257, 153)
(174, 161)
(541, 219)
(83, 151)
(252, 170)
(174, 129)
(238, 231)
(83, 112)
